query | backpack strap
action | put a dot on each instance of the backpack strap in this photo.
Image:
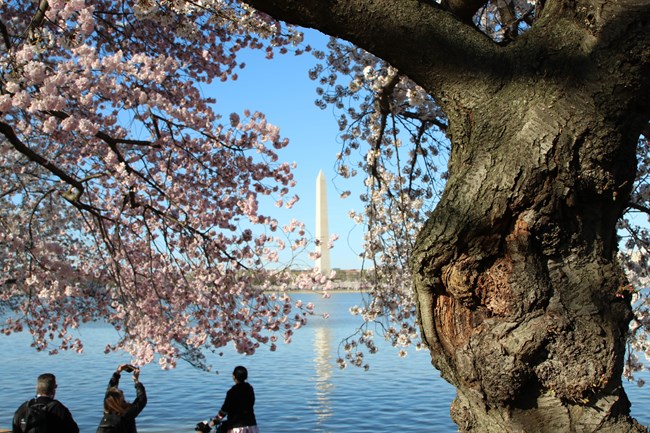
(48, 406)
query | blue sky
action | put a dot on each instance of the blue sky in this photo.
(281, 89)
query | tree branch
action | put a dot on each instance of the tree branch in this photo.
(383, 101)
(463, 9)
(102, 135)
(430, 45)
(11, 136)
(508, 19)
(639, 207)
(5, 35)
(39, 16)
(433, 121)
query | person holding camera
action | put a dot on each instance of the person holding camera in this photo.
(119, 415)
(238, 405)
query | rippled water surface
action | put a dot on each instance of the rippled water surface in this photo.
(299, 388)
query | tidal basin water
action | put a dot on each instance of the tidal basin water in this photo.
(299, 388)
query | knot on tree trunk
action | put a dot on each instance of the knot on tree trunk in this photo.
(485, 292)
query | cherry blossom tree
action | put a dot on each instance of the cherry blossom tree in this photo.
(496, 141)
(125, 197)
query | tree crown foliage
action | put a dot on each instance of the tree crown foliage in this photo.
(127, 198)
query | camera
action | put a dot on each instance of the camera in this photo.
(203, 427)
(129, 368)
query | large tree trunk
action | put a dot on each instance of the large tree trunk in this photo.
(521, 299)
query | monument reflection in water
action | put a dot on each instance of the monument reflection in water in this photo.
(324, 363)
(299, 387)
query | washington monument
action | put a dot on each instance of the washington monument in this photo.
(323, 262)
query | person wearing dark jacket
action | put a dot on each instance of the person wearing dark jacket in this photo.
(119, 415)
(57, 417)
(238, 405)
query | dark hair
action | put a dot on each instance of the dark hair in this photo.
(46, 384)
(240, 373)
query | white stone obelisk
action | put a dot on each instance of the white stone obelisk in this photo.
(323, 262)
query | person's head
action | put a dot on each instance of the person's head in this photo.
(240, 374)
(114, 402)
(46, 385)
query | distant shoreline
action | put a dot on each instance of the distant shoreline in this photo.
(321, 290)
(336, 286)
(317, 290)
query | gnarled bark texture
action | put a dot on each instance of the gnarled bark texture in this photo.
(521, 300)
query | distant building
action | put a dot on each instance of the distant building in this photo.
(322, 234)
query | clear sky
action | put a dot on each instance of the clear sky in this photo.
(281, 89)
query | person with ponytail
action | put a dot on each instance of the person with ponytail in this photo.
(119, 414)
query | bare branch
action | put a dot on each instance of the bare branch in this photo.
(102, 135)
(11, 136)
(639, 207)
(5, 35)
(39, 16)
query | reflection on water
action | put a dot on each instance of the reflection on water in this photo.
(299, 388)
(323, 364)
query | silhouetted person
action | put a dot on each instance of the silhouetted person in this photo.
(44, 412)
(119, 415)
(238, 405)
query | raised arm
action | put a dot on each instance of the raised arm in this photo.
(141, 397)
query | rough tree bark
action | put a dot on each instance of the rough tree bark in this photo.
(521, 300)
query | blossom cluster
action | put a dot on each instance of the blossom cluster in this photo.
(124, 197)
